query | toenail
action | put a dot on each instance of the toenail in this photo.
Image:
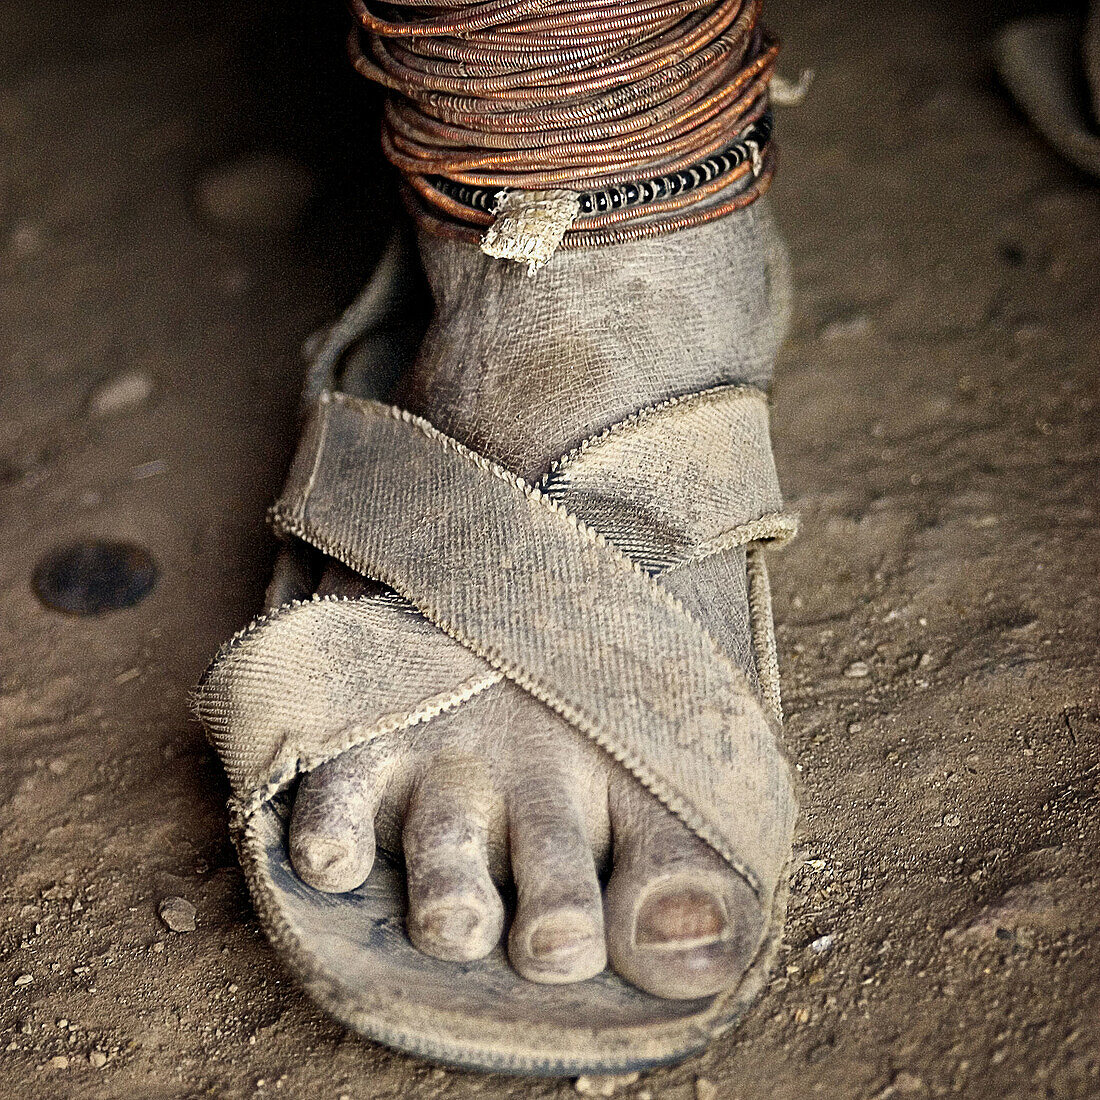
(680, 917)
(560, 934)
(322, 854)
(449, 923)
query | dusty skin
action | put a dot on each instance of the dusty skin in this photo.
(935, 424)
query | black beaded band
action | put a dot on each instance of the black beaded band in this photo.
(748, 146)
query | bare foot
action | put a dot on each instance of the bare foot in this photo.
(521, 369)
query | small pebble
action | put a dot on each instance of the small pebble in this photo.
(821, 944)
(60, 1061)
(120, 392)
(952, 821)
(705, 1089)
(143, 470)
(26, 239)
(178, 914)
(857, 670)
(24, 979)
(98, 1059)
(906, 1082)
(603, 1085)
(788, 93)
(845, 327)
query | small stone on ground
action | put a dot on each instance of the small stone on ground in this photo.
(178, 914)
(604, 1085)
(120, 392)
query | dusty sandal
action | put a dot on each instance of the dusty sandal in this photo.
(624, 519)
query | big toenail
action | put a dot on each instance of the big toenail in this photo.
(679, 917)
(560, 934)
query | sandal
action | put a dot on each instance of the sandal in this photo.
(622, 520)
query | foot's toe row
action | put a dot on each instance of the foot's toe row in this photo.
(675, 920)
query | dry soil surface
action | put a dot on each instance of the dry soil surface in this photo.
(935, 416)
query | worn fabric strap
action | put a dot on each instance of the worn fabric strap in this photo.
(677, 482)
(516, 578)
(312, 678)
(318, 677)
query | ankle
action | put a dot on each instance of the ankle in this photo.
(525, 368)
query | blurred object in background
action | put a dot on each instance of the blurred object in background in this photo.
(1051, 64)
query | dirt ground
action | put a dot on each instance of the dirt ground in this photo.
(935, 419)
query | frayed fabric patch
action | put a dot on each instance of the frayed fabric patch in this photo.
(530, 225)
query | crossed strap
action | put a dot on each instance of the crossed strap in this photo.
(566, 587)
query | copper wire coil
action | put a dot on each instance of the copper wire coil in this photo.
(668, 116)
(486, 116)
(580, 94)
(576, 78)
(532, 85)
(574, 177)
(616, 104)
(662, 133)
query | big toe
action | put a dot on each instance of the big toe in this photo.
(680, 922)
